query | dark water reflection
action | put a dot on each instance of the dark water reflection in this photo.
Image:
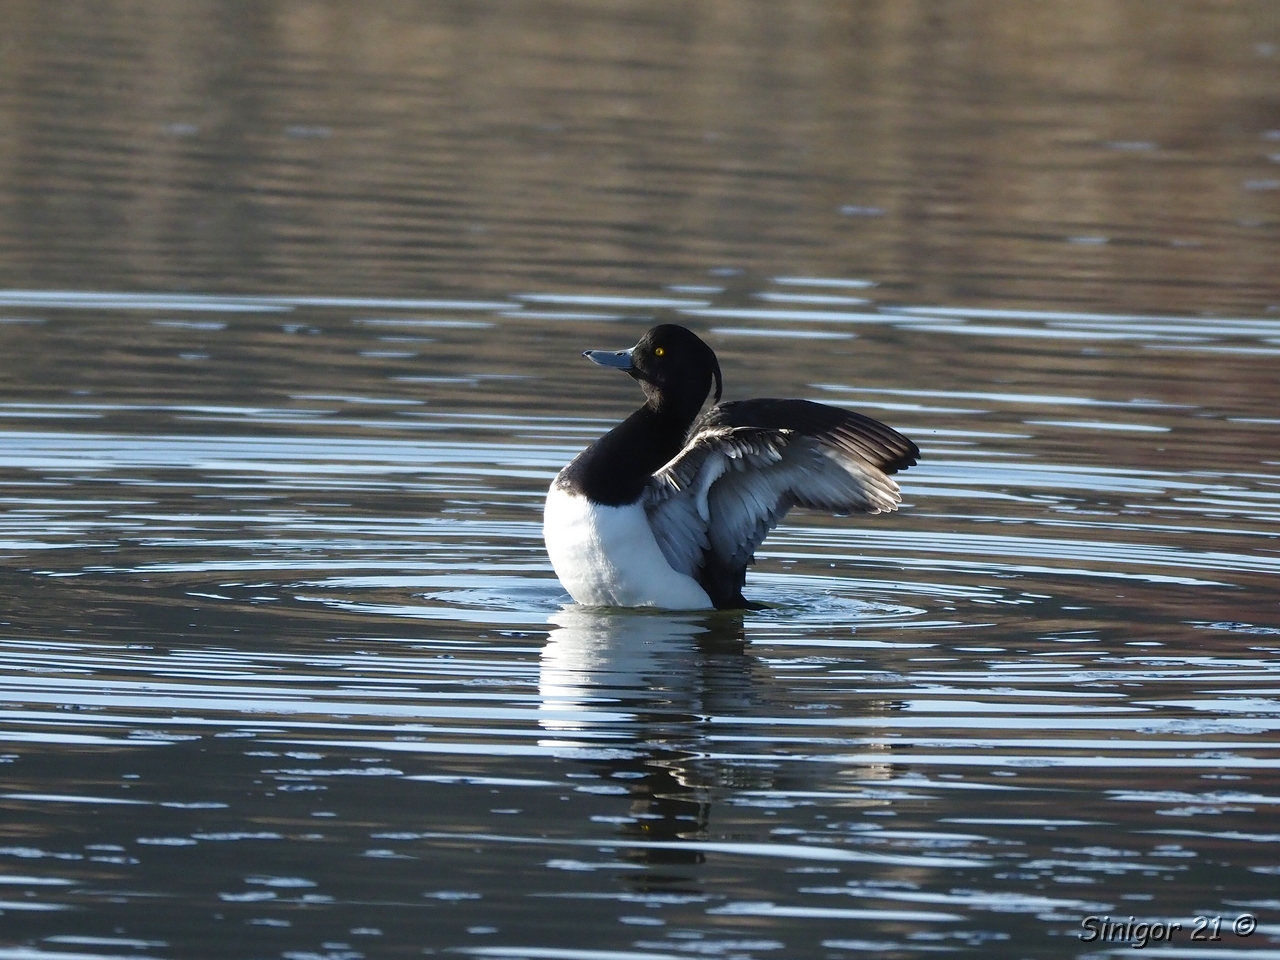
(1117, 159)
(291, 300)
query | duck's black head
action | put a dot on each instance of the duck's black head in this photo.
(675, 368)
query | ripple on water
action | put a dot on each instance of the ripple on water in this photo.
(349, 605)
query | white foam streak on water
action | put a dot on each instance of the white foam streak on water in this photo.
(982, 899)
(560, 316)
(83, 300)
(1088, 552)
(566, 953)
(1173, 332)
(1215, 323)
(87, 300)
(598, 300)
(784, 851)
(774, 315)
(68, 798)
(781, 334)
(810, 298)
(836, 282)
(1034, 333)
(1009, 398)
(745, 909)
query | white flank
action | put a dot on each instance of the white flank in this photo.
(608, 557)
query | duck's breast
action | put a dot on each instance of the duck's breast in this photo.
(608, 557)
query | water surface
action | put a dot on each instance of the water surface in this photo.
(291, 308)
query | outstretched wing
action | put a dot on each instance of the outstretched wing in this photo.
(747, 463)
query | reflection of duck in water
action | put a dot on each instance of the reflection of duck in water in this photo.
(664, 512)
(603, 667)
(627, 694)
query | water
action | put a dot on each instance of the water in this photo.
(291, 307)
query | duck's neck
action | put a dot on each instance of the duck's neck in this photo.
(615, 469)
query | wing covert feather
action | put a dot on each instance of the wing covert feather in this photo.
(747, 463)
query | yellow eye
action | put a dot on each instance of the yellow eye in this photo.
(658, 351)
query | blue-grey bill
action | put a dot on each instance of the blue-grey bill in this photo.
(607, 358)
